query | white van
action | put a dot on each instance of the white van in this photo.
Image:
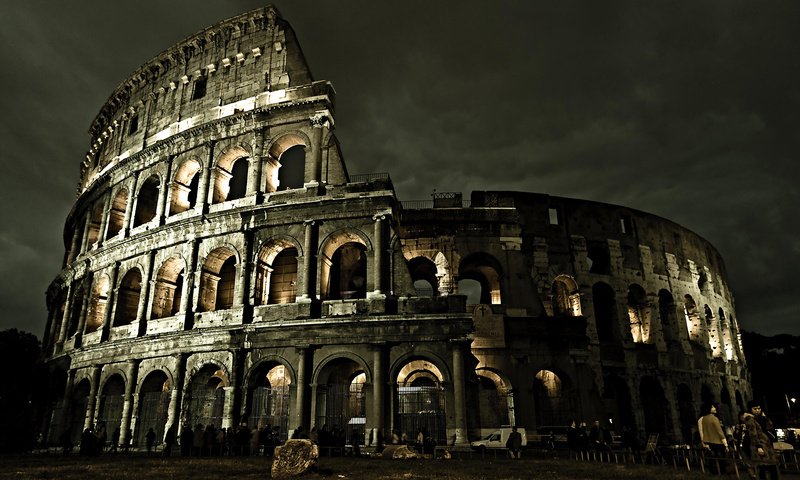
(497, 439)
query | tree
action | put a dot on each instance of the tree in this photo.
(20, 356)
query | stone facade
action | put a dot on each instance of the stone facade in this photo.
(222, 267)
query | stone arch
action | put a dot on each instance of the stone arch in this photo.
(116, 213)
(726, 339)
(343, 265)
(110, 403)
(617, 401)
(638, 314)
(185, 186)
(495, 398)
(128, 293)
(168, 288)
(424, 275)
(605, 312)
(147, 200)
(484, 269)
(340, 396)
(726, 406)
(78, 408)
(551, 400)
(276, 271)
(76, 307)
(267, 402)
(565, 296)
(99, 303)
(669, 321)
(420, 398)
(230, 174)
(205, 394)
(155, 391)
(218, 279)
(95, 220)
(654, 406)
(691, 314)
(287, 171)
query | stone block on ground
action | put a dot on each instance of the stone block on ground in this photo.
(294, 457)
(397, 451)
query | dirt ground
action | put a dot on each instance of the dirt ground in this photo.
(124, 467)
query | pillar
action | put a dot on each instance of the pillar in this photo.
(93, 392)
(232, 391)
(256, 165)
(299, 417)
(101, 235)
(163, 195)
(319, 121)
(378, 390)
(379, 254)
(309, 291)
(459, 400)
(187, 305)
(144, 294)
(203, 200)
(127, 220)
(66, 404)
(127, 401)
(62, 334)
(174, 414)
(87, 300)
(110, 303)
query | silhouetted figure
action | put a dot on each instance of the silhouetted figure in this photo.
(514, 443)
(88, 443)
(114, 441)
(169, 440)
(356, 439)
(186, 440)
(150, 439)
(65, 440)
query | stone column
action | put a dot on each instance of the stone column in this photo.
(174, 415)
(300, 398)
(240, 289)
(163, 195)
(101, 235)
(319, 121)
(62, 334)
(127, 221)
(144, 294)
(256, 165)
(379, 254)
(203, 197)
(66, 404)
(459, 407)
(309, 290)
(232, 392)
(87, 223)
(378, 390)
(93, 393)
(87, 300)
(125, 423)
(187, 301)
(110, 303)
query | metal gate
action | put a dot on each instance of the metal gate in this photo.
(111, 412)
(342, 406)
(153, 413)
(77, 417)
(270, 406)
(207, 408)
(422, 408)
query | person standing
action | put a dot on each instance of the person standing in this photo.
(514, 443)
(762, 455)
(150, 439)
(712, 435)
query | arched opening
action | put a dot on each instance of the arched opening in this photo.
(565, 297)
(726, 408)
(495, 401)
(605, 311)
(218, 280)
(276, 273)
(285, 166)
(154, 396)
(146, 201)
(168, 289)
(669, 322)
(130, 288)
(348, 272)
(726, 338)
(230, 175)
(97, 309)
(75, 309)
(111, 401)
(78, 406)
(654, 405)
(423, 273)
(598, 257)
(471, 289)
(551, 404)
(617, 402)
(116, 215)
(292, 168)
(420, 401)
(484, 269)
(96, 218)
(206, 397)
(267, 403)
(638, 314)
(692, 317)
(341, 401)
(185, 187)
(686, 412)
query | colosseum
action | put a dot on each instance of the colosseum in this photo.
(223, 267)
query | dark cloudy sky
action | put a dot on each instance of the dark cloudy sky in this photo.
(686, 109)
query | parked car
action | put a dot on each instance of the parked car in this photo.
(497, 439)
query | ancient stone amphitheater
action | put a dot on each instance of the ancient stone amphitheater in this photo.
(222, 267)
